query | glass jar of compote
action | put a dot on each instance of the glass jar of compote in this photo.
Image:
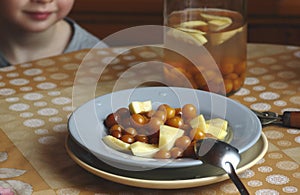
(215, 28)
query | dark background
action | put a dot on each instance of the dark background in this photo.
(269, 21)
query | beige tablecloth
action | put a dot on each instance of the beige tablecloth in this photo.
(36, 101)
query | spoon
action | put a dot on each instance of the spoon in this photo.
(287, 119)
(223, 155)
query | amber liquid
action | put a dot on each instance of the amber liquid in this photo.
(223, 34)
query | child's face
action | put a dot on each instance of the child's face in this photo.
(33, 15)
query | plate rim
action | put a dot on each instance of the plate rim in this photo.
(165, 184)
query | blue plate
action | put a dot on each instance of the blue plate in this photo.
(87, 128)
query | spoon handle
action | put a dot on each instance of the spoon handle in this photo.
(236, 180)
(291, 119)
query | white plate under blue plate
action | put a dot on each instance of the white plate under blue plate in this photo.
(87, 128)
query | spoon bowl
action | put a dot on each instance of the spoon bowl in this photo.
(222, 155)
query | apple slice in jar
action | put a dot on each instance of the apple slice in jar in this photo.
(216, 23)
(221, 37)
(187, 36)
(193, 24)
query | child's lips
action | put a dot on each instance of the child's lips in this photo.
(39, 15)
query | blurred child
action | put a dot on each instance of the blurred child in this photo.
(33, 29)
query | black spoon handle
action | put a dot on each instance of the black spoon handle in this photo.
(236, 180)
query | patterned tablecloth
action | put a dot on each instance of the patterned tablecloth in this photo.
(36, 101)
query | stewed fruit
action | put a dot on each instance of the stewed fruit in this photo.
(165, 132)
